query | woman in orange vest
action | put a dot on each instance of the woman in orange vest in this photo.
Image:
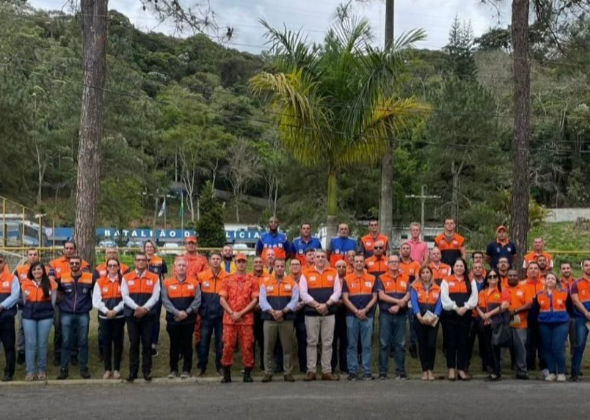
(490, 312)
(107, 300)
(459, 297)
(553, 326)
(426, 305)
(39, 296)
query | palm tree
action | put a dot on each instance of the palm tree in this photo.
(329, 100)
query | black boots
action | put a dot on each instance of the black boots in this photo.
(247, 377)
(226, 375)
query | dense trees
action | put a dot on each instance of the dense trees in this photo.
(178, 113)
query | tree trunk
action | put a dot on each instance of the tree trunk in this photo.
(386, 201)
(522, 127)
(41, 168)
(94, 41)
(455, 192)
(331, 224)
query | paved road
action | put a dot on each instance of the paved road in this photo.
(508, 400)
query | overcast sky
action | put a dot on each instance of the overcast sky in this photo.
(314, 16)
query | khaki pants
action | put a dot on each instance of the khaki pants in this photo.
(272, 331)
(319, 327)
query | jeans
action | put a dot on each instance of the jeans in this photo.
(580, 344)
(208, 327)
(74, 326)
(36, 338)
(392, 335)
(364, 329)
(301, 334)
(553, 338)
(113, 331)
(8, 339)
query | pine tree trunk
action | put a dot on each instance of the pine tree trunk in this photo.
(522, 127)
(94, 38)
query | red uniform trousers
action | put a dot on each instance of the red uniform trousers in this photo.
(232, 334)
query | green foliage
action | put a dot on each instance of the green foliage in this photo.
(210, 226)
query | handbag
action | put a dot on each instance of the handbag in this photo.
(501, 332)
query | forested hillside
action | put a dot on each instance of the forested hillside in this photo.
(179, 113)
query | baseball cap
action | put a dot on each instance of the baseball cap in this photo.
(191, 238)
(501, 227)
(241, 256)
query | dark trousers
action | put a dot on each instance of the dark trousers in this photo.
(259, 337)
(100, 337)
(181, 342)
(477, 332)
(140, 331)
(301, 334)
(340, 341)
(492, 353)
(112, 342)
(534, 347)
(156, 326)
(208, 327)
(426, 336)
(457, 336)
(8, 338)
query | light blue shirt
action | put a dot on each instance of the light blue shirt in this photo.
(292, 305)
(11, 300)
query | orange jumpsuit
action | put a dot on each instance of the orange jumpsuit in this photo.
(239, 292)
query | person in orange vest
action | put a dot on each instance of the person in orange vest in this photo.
(518, 310)
(503, 268)
(101, 270)
(140, 290)
(108, 302)
(477, 259)
(156, 265)
(279, 297)
(299, 322)
(181, 297)
(543, 267)
(238, 296)
(211, 313)
(407, 265)
(227, 254)
(490, 309)
(377, 264)
(580, 294)
(459, 297)
(533, 284)
(538, 245)
(196, 262)
(9, 294)
(450, 243)
(393, 287)
(349, 261)
(367, 245)
(260, 272)
(340, 341)
(22, 273)
(553, 326)
(359, 294)
(56, 269)
(440, 270)
(39, 294)
(567, 280)
(309, 258)
(320, 290)
(427, 308)
(477, 330)
(75, 303)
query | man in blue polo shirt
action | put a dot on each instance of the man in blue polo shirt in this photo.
(304, 243)
(340, 245)
(501, 247)
(274, 240)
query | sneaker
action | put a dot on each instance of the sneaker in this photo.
(352, 377)
(147, 376)
(413, 352)
(401, 376)
(310, 377)
(550, 378)
(107, 375)
(185, 375)
(42, 376)
(63, 374)
(543, 374)
(368, 378)
(201, 373)
(20, 359)
(85, 374)
(131, 377)
(561, 377)
(116, 375)
(267, 378)
(382, 376)
(173, 375)
(30, 377)
(575, 377)
(289, 378)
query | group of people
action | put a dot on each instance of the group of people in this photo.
(329, 298)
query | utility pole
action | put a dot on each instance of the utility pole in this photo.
(423, 197)
(386, 197)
